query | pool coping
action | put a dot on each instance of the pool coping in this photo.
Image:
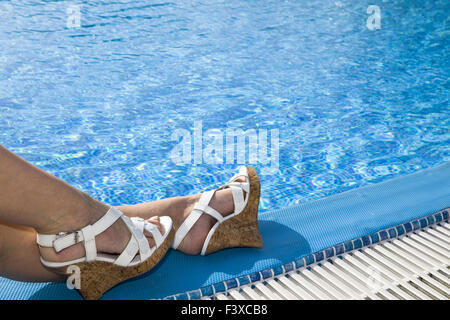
(308, 260)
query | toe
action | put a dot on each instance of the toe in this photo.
(157, 222)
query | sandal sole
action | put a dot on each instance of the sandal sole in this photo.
(97, 277)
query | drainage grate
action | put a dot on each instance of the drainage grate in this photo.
(413, 266)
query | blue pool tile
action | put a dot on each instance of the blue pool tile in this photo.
(194, 295)
(357, 243)
(182, 296)
(416, 225)
(277, 270)
(339, 249)
(299, 263)
(375, 238)
(423, 223)
(348, 246)
(232, 283)
(207, 291)
(309, 259)
(430, 220)
(267, 273)
(255, 276)
(445, 214)
(408, 227)
(243, 280)
(400, 230)
(329, 252)
(365, 240)
(438, 217)
(219, 287)
(383, 235)
(319, 256)
(288, 267)
(392, 233)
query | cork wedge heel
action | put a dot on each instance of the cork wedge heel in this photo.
(239, 229)
(99, 272)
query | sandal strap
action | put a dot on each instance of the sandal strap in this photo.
(243, 185)
(65, 240)
(128, 253)
(143, 225)
(212, 212)
(243, 172)
(238, 198)
(202, 206)
(193, 217)
(137, 244)
(156, 234)
(89, 242)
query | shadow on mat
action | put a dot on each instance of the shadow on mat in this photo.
(55, 291)
(178, 272)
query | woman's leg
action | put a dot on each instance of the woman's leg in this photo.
(19, 255)
(178, 208)
(31, 197)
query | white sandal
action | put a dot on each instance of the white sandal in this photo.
(239, 229)
(100, 271)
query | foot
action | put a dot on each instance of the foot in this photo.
(222, 201)
(180, 208)
(113, 241)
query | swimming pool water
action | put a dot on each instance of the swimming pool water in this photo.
(96, 105)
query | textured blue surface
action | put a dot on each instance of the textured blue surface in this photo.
(272, 272)
(288, 234)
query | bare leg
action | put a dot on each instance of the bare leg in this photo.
(19, 255)
(33, 198)
(178, 208)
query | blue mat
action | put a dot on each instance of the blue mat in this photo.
(288, 234)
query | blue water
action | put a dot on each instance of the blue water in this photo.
(96, 105)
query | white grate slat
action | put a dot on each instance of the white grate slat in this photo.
(413, 266)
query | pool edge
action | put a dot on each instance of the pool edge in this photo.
(308, 260)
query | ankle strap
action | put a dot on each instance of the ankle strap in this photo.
(87, 234)
(200, 207)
